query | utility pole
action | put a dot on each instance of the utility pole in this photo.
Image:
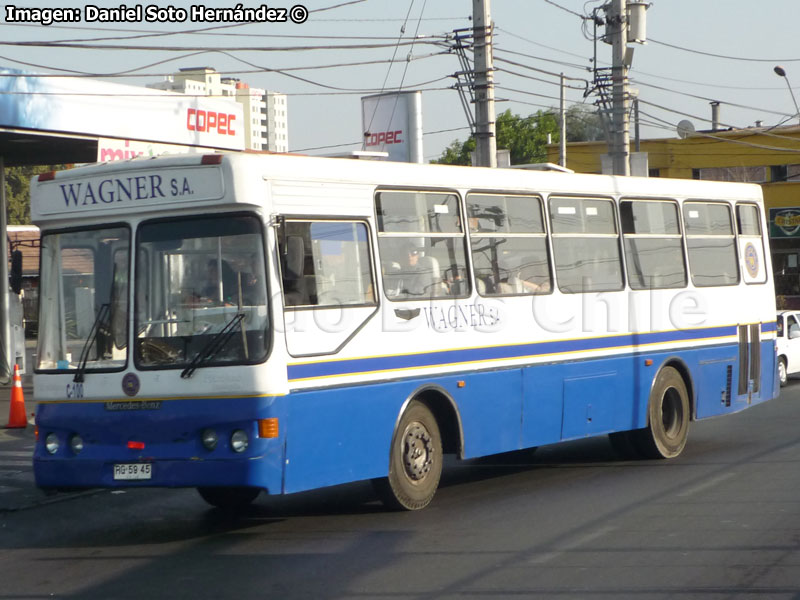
(6, 352)
(620, 135)
(562, 117)
(485, 132)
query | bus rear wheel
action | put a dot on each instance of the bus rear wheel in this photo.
(415, 461)
(668, 416)
(229, 498)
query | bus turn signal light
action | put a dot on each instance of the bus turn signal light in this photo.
(268, 428)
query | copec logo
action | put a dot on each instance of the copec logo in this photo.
(385, 138)
(210, 121)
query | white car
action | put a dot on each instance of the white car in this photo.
(788, 344)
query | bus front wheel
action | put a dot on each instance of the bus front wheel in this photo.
(415, 461)
(668, 416)
(229, 498)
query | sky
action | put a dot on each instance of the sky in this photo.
(698, 51)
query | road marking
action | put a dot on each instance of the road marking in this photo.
(563, 548)
(705, 485)
(15, 454)
(4, 464)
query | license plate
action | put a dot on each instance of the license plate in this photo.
(133, 471)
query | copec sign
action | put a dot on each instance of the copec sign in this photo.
(211, 121)
(110, 110)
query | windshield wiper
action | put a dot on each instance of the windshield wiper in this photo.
(99, 322)
(214, 346)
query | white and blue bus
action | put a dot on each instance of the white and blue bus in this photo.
(240, 323)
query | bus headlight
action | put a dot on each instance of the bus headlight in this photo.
(51, 443)
(239, 441)
(209, 438)
(76, 444)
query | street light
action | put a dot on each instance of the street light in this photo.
(781, 72)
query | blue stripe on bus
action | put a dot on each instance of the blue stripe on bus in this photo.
(339, 367)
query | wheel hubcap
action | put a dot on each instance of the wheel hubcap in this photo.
(417, 451)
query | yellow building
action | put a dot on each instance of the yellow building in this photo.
(765, 155)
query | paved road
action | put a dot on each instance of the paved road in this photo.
(571, 521)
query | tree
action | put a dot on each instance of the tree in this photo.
(18, 192)
(457, 153)
(584, 124)
(527, 137)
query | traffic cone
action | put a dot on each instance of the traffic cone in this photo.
(16, 413)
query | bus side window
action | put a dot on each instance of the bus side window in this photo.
(326, 263)
(653, 244)
(422, 245)
(509, 244)
(585, 245)
(713, 258)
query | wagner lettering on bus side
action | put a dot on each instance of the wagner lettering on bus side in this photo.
(461, 317)
(124, 189)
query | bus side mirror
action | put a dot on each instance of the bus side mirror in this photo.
(15, 275)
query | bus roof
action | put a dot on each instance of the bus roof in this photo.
(177, 182)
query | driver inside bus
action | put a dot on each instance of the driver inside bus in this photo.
(209, 291)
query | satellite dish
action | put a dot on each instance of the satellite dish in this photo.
(685, 129)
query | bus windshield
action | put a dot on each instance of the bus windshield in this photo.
(84, 300)
(201, 296)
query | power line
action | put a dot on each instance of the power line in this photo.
(708, 84)
(707, 99)
(742, 58)
(359, 143)
(209, 31)
(572, 12)
(570, 87)
(133, 72)
(718, 138)
(558, 62)
(524, 39)
(335, 6)
(78, 46)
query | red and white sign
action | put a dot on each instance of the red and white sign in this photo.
(90, 107)
(393, 123)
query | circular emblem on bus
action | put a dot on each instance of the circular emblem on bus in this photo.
(751, 260)
(130, 384)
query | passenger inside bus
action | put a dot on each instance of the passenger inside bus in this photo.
(415, 274)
